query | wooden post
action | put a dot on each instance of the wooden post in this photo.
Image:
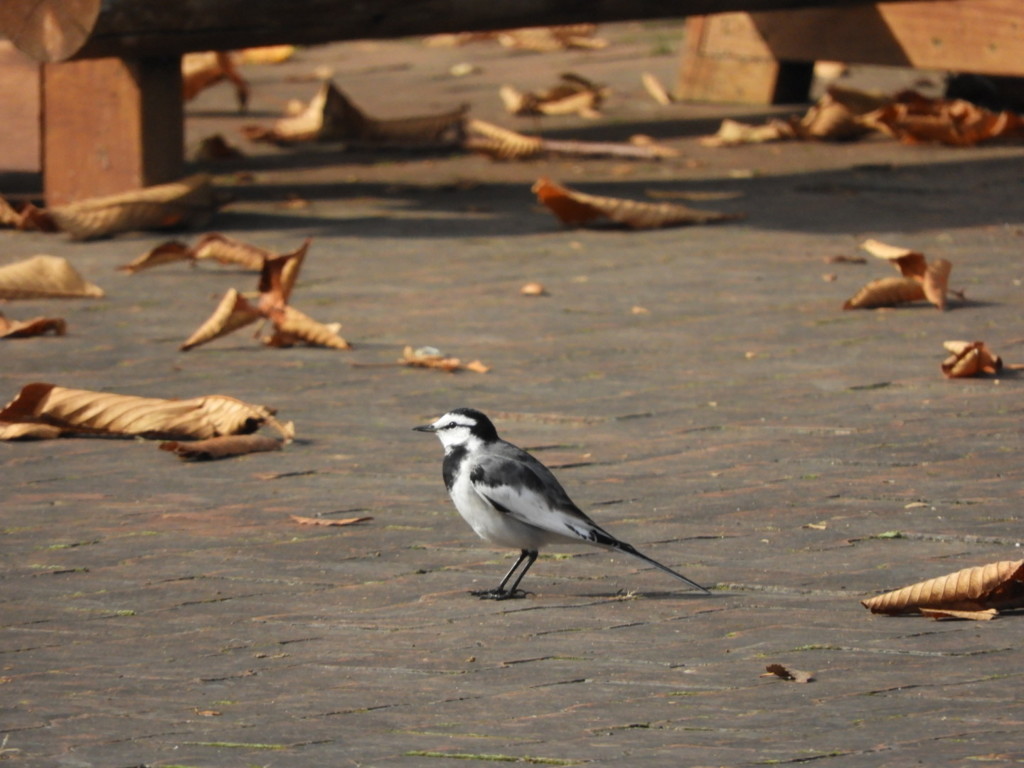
(110, 125)
(726, 60)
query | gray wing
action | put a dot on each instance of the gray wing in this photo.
(518, 485)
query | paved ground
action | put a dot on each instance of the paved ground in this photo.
(699, 391)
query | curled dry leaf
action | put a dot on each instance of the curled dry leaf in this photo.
(211, 246)
(336, 521)
(222, 447)
(189, 202)
(37, 326)
(793, 675)
(969, 358)
(232, 313)
(200, 71)
(921, 279)
(277, 279)
(578, 208)
(886, 292)
(573, 95)
(45, 277)
(332, 116)
(292, 326)
(431, 357)
(25, 218)
(656, 90)
(504, 144)
(533, 289)
(994, 586)
(84, 412)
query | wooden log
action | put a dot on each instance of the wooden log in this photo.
(55, 30)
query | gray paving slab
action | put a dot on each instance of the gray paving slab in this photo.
(699, 391)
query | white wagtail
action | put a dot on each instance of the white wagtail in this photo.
(512, 500)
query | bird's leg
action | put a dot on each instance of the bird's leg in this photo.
(499, 592)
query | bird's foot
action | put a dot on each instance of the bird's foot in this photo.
(498, 594)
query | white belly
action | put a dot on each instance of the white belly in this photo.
(495, 527)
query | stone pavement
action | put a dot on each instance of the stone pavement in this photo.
(699, 391)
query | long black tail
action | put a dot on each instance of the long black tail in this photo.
(629, 549)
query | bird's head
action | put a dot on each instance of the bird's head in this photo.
(461, 427)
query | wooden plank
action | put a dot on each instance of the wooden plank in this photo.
(748, 58)
(110, 125)
(981, 36)
(142, 28)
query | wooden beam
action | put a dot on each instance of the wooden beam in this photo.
(757, 58)
(59, 29)
(110, 125)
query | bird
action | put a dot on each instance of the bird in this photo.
(512, 500)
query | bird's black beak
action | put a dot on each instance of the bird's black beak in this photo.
(425, 428)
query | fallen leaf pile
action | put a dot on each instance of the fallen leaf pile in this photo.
(573, 95)
(277, 279)
(919, 281)
(45, 277)
(973, 593)
(504, 144)
(969, 358)
(211, 246)
(576, 209)
(42, 411)
(843, 114)
(331, 116)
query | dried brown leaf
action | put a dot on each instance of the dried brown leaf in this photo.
(200, 71)
(26, 431)
(654, 87)
(232, 313)
(332, 116)
(188, 202)
(907, 262)
(328, 520)
(45, 277)
(969, 358)
(292, 326)
(937, 613)
(886, 292)
(996, 585)
(572, 95)
(578, 208)
(793, 675)
(222, 447)
(429, 357)
(732, 133)
(79, 411)
(27, 218)
(37, 326)
(936, 282)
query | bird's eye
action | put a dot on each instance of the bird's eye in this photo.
(450, 425)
